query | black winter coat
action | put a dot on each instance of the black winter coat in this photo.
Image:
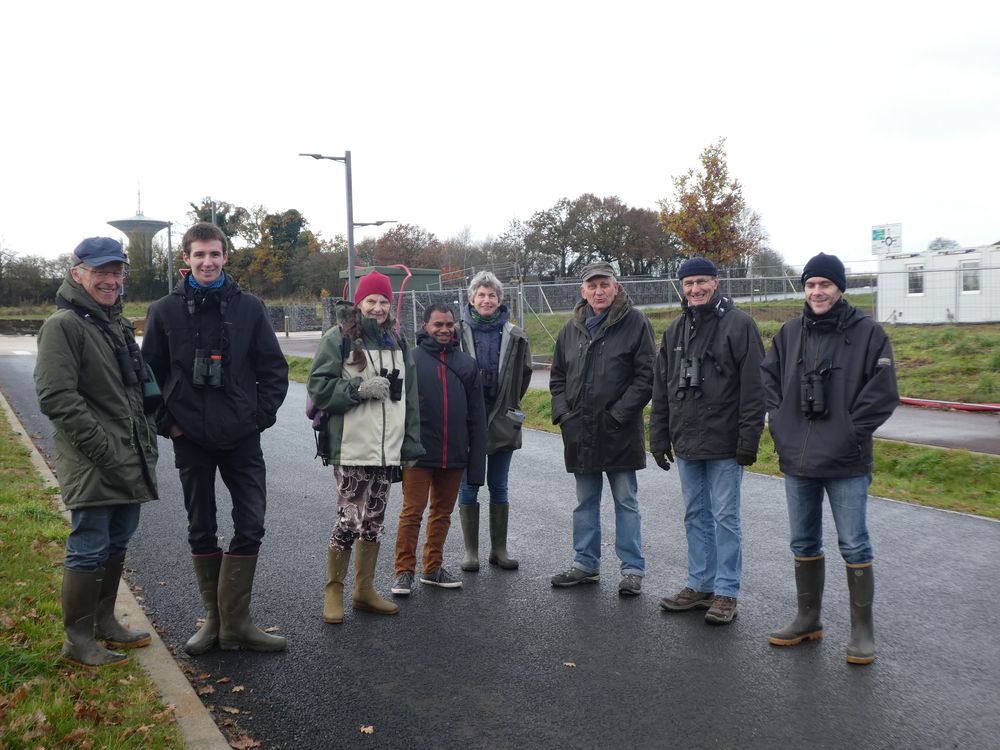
(600, 387)
(860, 392)
(254, 370)
(452, 410)
(726, 410)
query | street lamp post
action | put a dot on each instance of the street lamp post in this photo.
(346, 159)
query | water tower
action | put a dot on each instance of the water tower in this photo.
(140, 231)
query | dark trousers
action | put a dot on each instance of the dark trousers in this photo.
(244, 474)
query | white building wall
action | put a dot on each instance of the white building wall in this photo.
(943, 299)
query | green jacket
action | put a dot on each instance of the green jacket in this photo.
(105, 446)
(360, 432)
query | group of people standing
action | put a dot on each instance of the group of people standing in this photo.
(826, 384)
(444, 417)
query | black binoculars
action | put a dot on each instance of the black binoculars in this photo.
(395, 383)
(207, 368)
(689, 377)
(812, 394)
(135, 371)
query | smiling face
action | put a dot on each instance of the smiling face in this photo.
(821, 294)
(206, 259)
(699, 289)
(103, 283)
(485, 301)
(376, 307)
(600, 292)
(441, 327)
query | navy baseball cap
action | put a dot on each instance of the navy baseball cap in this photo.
(96, 251)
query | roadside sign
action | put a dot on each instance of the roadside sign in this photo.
(887, 239)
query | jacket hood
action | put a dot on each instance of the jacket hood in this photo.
(428, 343)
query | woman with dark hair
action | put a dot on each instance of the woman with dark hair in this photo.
(363, 378)
(500, 348)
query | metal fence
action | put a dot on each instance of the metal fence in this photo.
(898, 297)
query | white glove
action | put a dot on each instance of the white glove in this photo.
(376, 388)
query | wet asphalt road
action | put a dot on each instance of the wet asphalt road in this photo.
(508, 661)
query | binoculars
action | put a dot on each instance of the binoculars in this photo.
(207, 368)
(395, 383)
(689, 377)
(135, 371)
(812, 394)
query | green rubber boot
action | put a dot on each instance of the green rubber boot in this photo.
(80, 592)
(810, 575)
(498, 537)
(469, 515)
(107, 628)
(206, 570)
(236, 631)
(861, 585)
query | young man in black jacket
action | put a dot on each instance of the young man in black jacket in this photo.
(223, 376)
(453, 432)
(830, 383)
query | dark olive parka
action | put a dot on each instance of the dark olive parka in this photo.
(600, 386)
(105, 445)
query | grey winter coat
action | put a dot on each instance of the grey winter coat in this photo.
(600, 386)
(105, 445)
(514, 379)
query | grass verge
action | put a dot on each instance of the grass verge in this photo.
(45, 701)
(936, 477)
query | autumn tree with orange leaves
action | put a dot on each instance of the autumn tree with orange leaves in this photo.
(708, 215)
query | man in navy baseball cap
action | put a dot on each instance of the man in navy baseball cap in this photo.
(96, 251)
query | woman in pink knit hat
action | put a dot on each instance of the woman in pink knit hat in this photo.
(362, 376)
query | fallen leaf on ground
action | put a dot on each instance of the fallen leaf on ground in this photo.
(366, 729)
(569, 663)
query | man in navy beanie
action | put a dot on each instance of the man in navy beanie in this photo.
(708, 404)
(830, 383)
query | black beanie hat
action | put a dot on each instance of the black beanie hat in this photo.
(697, 266)
(826, 267)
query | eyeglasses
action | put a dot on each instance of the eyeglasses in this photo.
(123, 274)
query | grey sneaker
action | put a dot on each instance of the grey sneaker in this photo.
(574, 576)
(722, 611)
(687, 598)
(403, 584)
(442, 578)
(630, 585)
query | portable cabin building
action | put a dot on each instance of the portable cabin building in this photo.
(957, 285)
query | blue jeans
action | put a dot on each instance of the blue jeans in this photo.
(711, 491)
(587, 522)
(849, 503)
(497, 469)
(99, 533)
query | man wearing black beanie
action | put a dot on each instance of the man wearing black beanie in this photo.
(830, 383)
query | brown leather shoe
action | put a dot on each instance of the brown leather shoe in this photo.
(722, 611)
(687, 598)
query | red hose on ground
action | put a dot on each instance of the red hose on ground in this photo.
(956, 405)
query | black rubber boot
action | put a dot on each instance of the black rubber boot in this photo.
(107, 628)
(337, 562)
(206, 570)
(861, 585)
(469, 515)
(236, 631)
(810, 575)
(80, 592)
(498, 537)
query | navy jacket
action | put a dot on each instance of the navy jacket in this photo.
(452, 411)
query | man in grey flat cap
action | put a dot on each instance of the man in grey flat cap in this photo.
(601, 380)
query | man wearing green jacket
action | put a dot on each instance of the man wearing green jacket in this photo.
(91, 380)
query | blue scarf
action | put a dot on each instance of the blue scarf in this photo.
(214, 285)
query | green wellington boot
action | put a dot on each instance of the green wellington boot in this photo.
(469, 515)
(80, 592)
(107, 628)
(206, 570)
(498, 537)
(236, 631)
(810, 575)
(861, 585)
(337, 561)
(365, 598)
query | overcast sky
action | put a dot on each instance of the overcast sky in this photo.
(837, 117)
